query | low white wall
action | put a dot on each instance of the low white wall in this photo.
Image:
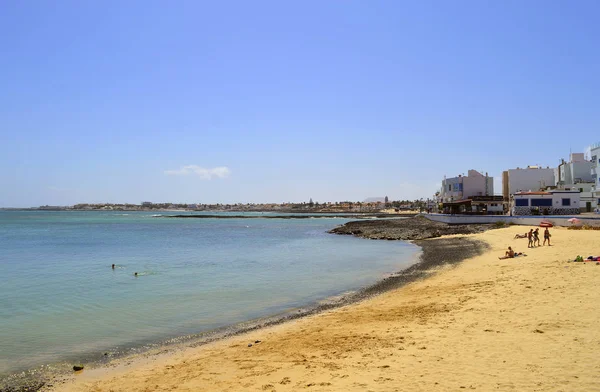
(527, 220)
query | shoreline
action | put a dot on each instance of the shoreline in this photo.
(527, 324)
(428, 259)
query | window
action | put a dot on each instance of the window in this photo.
(566, 202)
(458, 187)
(541, 202)
(521, 202)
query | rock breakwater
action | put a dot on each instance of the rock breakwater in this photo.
(411, 229)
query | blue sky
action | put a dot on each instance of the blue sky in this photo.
(271, 101)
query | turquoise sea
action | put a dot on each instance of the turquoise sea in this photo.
(61, 302)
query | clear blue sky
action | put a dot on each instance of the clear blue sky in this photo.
(272, 101)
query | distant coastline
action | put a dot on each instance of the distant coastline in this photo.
(295, 216)
(187, 213)
(344, 207)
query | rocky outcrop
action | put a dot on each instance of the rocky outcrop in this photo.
(417, 228)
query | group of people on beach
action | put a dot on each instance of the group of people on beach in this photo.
(534, 238)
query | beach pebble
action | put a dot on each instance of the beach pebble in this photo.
(78, 367)
(249, 344)
(257, 341)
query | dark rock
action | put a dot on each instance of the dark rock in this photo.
(249, 344)
(78, 367)
(417, 228)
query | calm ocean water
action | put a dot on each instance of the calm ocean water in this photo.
(60, 299)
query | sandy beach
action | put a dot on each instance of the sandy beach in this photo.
(524, 324)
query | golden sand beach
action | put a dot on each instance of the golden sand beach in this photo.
(525, 324)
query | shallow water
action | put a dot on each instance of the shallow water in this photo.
(60, 298)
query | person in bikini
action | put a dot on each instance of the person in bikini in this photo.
(530, 237)
(536, 237)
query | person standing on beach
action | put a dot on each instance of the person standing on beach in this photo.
(547, 236)
(530, 237)
(536, 237)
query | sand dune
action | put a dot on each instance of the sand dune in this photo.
(524, 324)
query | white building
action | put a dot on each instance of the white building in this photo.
(555, 202)
(577, 170)
(588, 202)
(532, 178)
(464, 187)
(595, 172)
(576, 175)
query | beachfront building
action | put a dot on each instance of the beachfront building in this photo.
(532, 178)
(554, 202)
(475, 205)
(576, 175)
(577, 170)
(456, 194)
(463, 187)
(595, 172)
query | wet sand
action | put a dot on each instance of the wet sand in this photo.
(524, 324)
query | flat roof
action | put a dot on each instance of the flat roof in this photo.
(533, 193)
(458, 201)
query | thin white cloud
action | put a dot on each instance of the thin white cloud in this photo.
(203, 173)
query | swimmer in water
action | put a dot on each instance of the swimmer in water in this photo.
(113, 266)
(135, 274)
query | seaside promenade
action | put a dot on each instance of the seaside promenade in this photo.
(523, 324)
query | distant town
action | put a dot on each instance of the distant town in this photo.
(367, 206)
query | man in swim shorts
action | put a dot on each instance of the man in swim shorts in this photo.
(547, 236)
(509, 254)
